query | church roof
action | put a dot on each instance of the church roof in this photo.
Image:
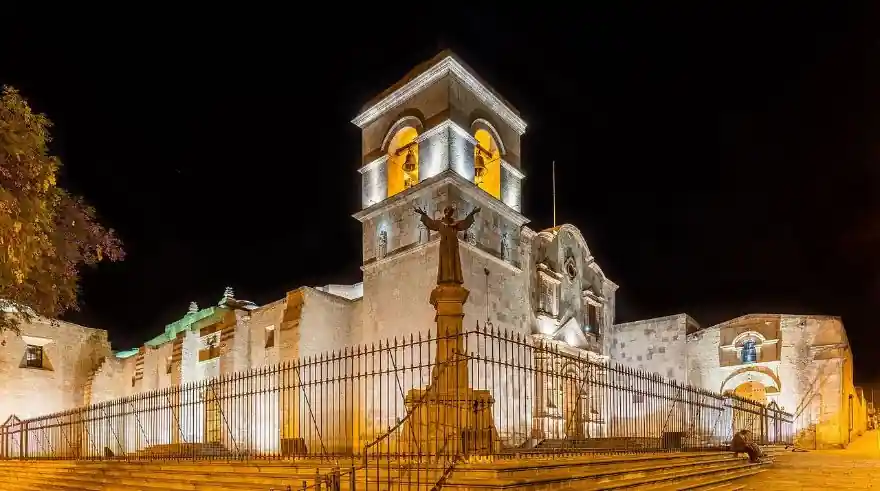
(425, 74)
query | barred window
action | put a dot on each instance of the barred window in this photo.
(749, 352)
(34, 356)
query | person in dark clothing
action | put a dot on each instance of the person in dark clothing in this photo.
(742, 443)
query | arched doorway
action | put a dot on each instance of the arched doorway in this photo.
(753, 391)
(748, 413)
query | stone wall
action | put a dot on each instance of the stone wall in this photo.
(653, 345)
(264, 322)
(803, 362)
(108, 381)
(71, 353)
(326, 323)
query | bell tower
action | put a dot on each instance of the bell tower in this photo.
(439, 137)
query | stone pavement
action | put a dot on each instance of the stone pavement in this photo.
(856, 467)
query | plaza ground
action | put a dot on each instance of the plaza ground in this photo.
(856, 467)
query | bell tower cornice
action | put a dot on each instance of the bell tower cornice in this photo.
(430, 185)
(446, 63)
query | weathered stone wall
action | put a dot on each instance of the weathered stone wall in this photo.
(702, 360)
(654, 345)
(326, 323)
(106, 382)
(267, 316)
(71, 354)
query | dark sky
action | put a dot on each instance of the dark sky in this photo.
(719, 162)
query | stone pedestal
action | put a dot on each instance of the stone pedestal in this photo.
(450, 423)
(449, 417)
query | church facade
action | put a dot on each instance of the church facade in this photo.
(441, 137)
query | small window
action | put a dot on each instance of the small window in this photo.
(749, 352)
(168, 365)
(571, 268)
(592, 318)
(34, 356)
(270, 338)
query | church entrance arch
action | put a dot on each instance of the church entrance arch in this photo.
(741, 379)
(753, 391)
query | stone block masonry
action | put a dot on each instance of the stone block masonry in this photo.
(654, 345)
(69, 355)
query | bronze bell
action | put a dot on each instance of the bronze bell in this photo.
(479, 167)
(409, 164)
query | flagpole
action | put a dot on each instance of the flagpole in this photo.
(554, 193)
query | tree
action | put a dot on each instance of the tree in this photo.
(46, 235)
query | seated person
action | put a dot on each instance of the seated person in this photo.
(742, 443)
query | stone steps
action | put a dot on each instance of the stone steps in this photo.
(716, 477)
(705, 471)
(663, 471)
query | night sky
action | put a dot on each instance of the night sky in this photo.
(718, 162)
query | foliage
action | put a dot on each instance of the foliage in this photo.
(45, 233)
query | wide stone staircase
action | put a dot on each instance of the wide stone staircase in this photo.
(718, 471)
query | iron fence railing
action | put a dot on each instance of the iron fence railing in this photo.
(391, 414)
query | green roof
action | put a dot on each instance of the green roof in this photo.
(190, 321)
(126, 353)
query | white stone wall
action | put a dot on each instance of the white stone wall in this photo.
(108, 381)
(156, 361)
(654, 345)
(71, 354)
(326, 323)
(703, 365)
(271, 315)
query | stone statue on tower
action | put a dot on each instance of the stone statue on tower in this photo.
(449, 264)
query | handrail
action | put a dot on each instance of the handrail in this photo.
(412, 410)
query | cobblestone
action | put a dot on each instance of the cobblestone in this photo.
(856, 467)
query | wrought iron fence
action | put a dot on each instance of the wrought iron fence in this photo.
(392, 414)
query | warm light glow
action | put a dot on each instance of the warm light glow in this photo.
(487, 163)
(403, 151)
(753, 391)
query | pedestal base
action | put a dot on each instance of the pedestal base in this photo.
(457, 422)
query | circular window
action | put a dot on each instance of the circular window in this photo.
(571, 268)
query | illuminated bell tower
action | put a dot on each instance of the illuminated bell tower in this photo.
(438, 137)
